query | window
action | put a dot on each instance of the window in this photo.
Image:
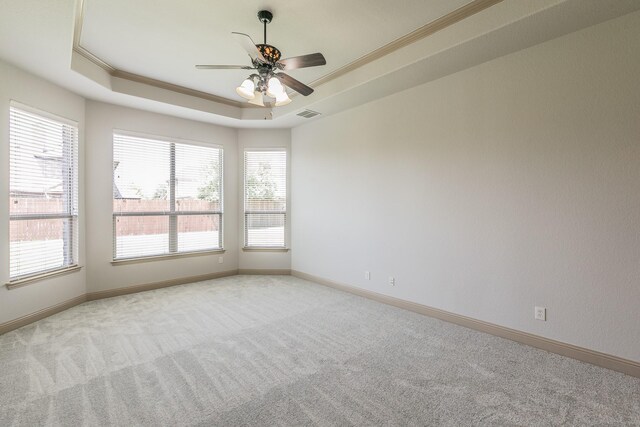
(265, 198)
(167, 197)
(43, 193)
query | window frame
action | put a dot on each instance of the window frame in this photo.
(172, 213)
(71, 236)
(254, 248)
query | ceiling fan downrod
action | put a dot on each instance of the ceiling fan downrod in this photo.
(269, 78)
(265, 17)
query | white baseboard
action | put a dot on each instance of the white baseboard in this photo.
(41, 314)
(593, 357)
(109, 293)
(265, 271)
(604, 360)
(91, 296)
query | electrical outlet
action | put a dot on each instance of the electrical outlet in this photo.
(220, 260)
(367, 275)
(540, 313)
(392, 281)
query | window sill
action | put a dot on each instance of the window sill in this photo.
(264, 249)
(126, 261)
(31, 279)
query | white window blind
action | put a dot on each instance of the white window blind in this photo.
(265, 198)
(43, 193)
(167, 197)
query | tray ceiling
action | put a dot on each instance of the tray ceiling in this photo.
(164, 39)
(371, 47)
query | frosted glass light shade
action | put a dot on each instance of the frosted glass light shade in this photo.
(257, 99)
(282, 99)
(275, 88)
(245, 90)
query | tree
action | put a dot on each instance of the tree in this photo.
(162, 192)
(137, 190)
(260, 183)
(210, 191)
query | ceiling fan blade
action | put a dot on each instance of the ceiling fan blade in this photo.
(311, 60)
(294, 84)
(247, 44)
(224, 67)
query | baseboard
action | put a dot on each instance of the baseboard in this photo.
(41, 314)
(265, 271)
(91, 296)
(109, 293)
(593, 357)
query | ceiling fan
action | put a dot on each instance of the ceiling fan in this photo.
(269, 79)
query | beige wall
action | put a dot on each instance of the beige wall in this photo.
(32, 91)
(263, 138)
(508, 185)
(102, 119)
(512, 184)
(96, 124)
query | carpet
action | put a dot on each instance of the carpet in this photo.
(278, 350)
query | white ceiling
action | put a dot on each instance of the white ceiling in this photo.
(163, 39)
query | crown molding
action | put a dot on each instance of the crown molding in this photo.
(176, 88)
(426, 30)
(432, 27)
(114, 72)
(91, 57)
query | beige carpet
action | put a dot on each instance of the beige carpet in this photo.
(267, 350)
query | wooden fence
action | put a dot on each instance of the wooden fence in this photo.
(52, 229)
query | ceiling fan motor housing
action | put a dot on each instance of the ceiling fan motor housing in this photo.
(266, 60)
(270, 53)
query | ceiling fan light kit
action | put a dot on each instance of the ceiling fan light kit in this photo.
(282, 99)
(257, 99)
(246, 89)
(274, 87)
(265, 59)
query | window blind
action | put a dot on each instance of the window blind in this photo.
(265, 198)
(167, 197)
(43, 193)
